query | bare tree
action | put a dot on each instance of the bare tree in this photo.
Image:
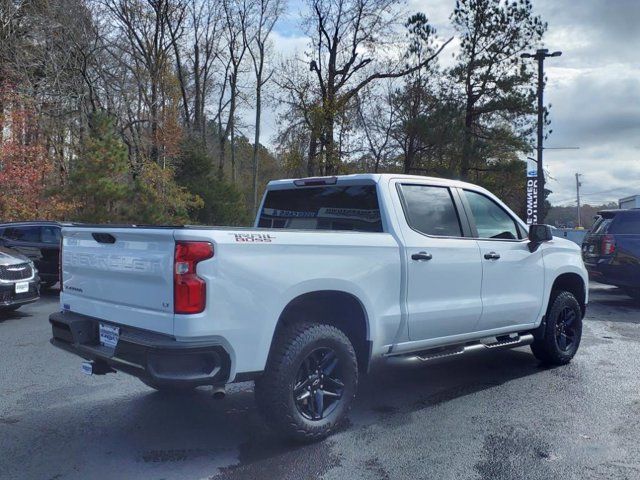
(236, 23)
(267, 13)
(346, 38)
(148, 27)
(376, 121)
(197, 45)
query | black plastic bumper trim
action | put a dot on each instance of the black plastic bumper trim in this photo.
(154, 357)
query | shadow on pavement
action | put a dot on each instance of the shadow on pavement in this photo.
(6, 315)
(194, 434)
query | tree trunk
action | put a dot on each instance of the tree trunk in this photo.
(222, 151)
(330, 157)
(154, 153)
(465, 162)
(256, 141)
(197, 119)
(313, 152)
(233, 151)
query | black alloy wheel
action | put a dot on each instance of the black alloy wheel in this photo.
(319, 386)
(566, 329)
(309, 382)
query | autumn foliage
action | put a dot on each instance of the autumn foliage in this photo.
(25, 170)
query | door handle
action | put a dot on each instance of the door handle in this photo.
(492, 256)
(421, 256)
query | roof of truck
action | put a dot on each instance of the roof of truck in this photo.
(34, 223)
(371, 177)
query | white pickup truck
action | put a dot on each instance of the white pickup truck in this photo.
(337, 272)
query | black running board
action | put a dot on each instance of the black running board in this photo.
(500, 343)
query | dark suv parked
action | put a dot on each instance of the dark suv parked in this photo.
(611, 250)
(38, 241)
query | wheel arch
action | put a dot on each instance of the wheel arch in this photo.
(573, 283)
(338, 308)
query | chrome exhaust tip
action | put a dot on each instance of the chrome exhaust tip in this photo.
(219, 392)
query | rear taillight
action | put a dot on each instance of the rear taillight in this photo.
(608, 245)
(189, 290)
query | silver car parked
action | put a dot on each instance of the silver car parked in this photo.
(19, 281)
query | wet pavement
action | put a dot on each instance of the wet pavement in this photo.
(496, 415)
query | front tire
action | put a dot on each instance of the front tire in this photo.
(309, 383)
(559, 338)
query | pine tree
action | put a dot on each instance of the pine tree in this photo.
(99, 183)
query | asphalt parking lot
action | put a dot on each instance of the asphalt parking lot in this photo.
(493, 416)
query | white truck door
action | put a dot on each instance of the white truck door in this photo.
(444, 269)
(512, 276)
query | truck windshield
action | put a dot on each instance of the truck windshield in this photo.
(323, 208)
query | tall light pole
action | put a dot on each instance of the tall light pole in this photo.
(578, 185)
(540, 55)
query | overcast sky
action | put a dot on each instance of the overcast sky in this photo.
(594, 90)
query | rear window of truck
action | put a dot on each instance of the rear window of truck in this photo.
(333, 207)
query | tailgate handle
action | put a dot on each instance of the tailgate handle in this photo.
(103, 237)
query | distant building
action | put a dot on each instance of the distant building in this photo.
(629, 202)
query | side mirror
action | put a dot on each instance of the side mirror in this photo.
(538, 234)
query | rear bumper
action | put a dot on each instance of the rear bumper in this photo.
(614, 274)
(153, 357)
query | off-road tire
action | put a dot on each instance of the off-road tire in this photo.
(547, 347)
(274, 389)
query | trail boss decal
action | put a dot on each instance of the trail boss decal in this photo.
(253, 237)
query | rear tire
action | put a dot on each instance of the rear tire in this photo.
(559, 338)
(309, 383)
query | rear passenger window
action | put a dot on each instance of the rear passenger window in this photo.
(50, 235)
(492, 221)
(323, 208)
(431, 210)
(627, 223)
(23, 234)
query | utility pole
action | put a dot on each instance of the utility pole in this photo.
(540, 55)
(578, 185)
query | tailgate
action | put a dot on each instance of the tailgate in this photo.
(123, 275)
